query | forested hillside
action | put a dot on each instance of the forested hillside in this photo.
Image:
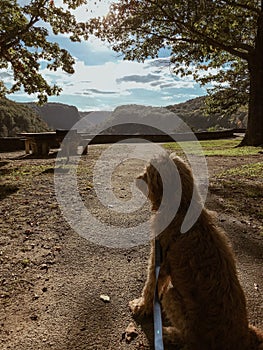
(16, 117)
(57, 115)
(19, 117)
(192, 112)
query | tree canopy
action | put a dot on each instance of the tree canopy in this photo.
(216, 41)
(25, 44)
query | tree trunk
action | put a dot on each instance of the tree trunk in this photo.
(254, 133)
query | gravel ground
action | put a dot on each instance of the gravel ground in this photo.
(52, 279)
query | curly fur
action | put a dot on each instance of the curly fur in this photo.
(198, 285)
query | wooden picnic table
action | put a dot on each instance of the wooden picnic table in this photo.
(38, 143)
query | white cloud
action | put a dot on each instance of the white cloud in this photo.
(118, 77)
(92, 9)
(167, 98)
(107, 85)
(89, 10)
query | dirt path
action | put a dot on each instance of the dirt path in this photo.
(52, 278)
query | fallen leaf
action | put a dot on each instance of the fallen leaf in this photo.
(105, 298)
(130, 333)
(256, 287)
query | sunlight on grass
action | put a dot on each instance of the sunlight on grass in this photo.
(254, 170)
(27, 170)
(215, 148)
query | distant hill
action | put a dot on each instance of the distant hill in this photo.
(95, 117)
(140, 119)
(57, 115)
(17, 117)
(192, 113)
(30, 117)
(90, 120)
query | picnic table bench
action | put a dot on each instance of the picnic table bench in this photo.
(38, 143)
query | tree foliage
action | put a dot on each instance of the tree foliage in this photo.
(227, 99)
(216, 41)
(25, 44)
(197, 31)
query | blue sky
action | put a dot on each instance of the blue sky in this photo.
(103, 80)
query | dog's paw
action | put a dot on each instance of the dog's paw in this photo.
(171, 336)
(139, 308)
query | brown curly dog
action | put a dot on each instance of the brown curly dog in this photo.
(198, 285)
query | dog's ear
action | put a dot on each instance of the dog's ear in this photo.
(142, 183)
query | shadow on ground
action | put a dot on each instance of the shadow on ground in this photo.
(6, 190)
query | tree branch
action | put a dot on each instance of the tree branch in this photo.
(208, 39)
(244, 6)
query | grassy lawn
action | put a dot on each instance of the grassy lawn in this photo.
(224, 148)
(253, 170)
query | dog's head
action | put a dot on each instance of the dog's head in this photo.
(150, 183)
(167, 180)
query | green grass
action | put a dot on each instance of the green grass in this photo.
(27, 169)
(253, 170)
(224, 148)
